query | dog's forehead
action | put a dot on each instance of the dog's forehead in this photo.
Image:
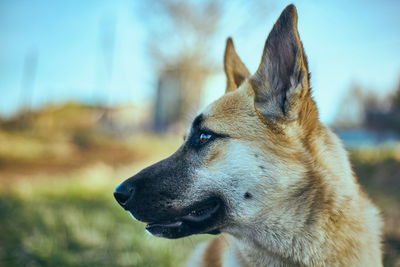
(233, 111)
(231, 104)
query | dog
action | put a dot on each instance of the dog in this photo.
(259, 168)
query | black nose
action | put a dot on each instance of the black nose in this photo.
(122, 193)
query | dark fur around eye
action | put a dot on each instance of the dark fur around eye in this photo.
(197, 130)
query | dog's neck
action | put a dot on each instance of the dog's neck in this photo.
(273, 242)
(252, 254)
(265, 248)
(260, 245)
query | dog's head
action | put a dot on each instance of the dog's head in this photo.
(243, 158)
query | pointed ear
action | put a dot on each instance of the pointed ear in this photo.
(236, 72)
(281, 80)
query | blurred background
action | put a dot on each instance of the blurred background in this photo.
(93, 91)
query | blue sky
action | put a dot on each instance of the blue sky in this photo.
(347, 42)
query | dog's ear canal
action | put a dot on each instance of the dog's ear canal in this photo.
(236, 72)
(281, 80)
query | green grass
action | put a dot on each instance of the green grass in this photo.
(378, 171)
(64, 221)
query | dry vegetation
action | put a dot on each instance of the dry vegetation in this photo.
(58, 168)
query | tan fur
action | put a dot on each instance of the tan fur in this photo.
(234, 68)
(307, 207)
(214, 252)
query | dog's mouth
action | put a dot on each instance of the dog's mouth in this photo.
(195, 216)
(201, 217)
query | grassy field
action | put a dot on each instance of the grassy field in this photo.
(378, 171)
(73, 220)
(57, 175)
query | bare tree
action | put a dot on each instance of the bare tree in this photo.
(362, 108)
(180, 38)
(351, 111)
(385, 117)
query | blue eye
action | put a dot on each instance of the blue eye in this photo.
(204, 137)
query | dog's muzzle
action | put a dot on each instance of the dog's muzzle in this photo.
(158, 196)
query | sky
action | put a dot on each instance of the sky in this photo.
(347, 43)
